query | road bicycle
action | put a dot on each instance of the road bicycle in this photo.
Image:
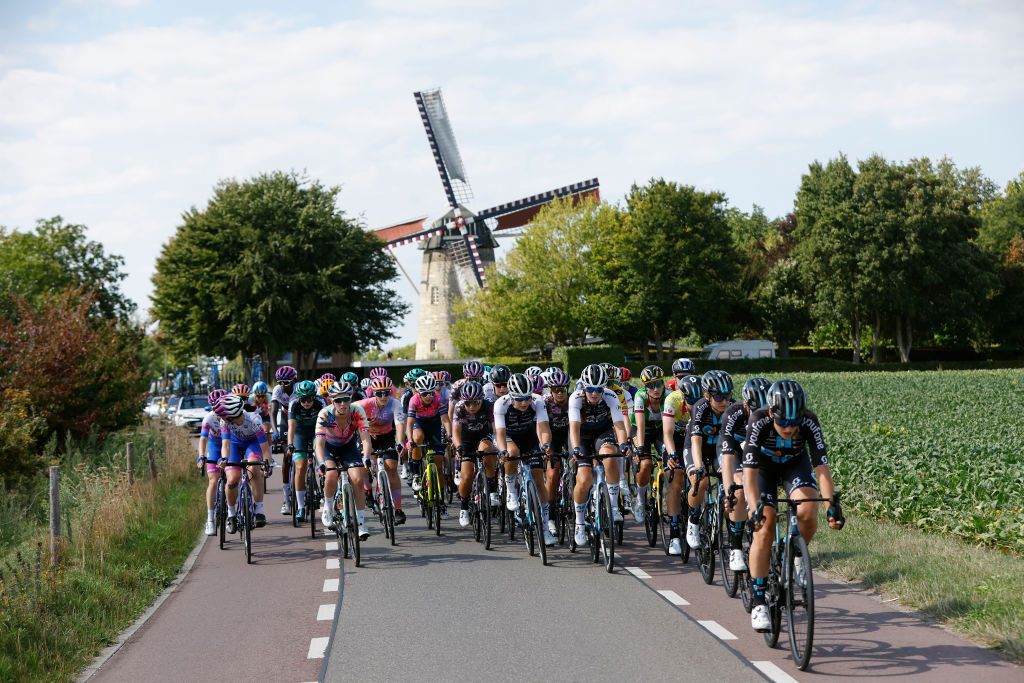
(790, 585)
(430, 495)
(731, 580)
(657, 507)
(564, 512)
(598, 520)
(528, 516)
(345, 518)
(220, 504)
(708, 526)
(480, 509)
(245, 513)
(382, 494)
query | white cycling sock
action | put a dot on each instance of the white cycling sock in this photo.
(613, 494)
(510, 484)
(209, 515)
(232, 510)
(259, 508)
(581, 513)
(287, 489)
(641, 492)
(361, 514)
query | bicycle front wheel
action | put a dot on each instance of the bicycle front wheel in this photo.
(608, 531)
(246, 521)
(438, 501)
(730, 579)
(799, 601)
(650, 504)
(538, 521)
(706, 550)
(312, 498)
(352, 522)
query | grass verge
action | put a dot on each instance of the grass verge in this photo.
(972, 589)
(129, 547)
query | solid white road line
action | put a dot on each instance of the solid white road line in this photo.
(717, 629)
(772, 671)
(674, 598)
(331, 585)
(638, 573)
(332, 545)
(333, 563)
(317, 647)
(325, 613)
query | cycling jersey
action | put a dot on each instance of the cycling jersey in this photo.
(211, 430)
(261, 408)
(676, 408)
(248, 432)
(305, 418)
(625, 398)
(474, 425)
(705, 424)
(489, 392)
(651, 408)
(282, 397)
(764, 446)
(734, 429)
(515, 421)
(382, 419)
(406, 397)
(328, 427)
(422, 412)
(594, 418)
(558, 415)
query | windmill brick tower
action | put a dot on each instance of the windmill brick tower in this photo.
(459, 246)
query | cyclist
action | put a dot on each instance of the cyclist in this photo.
(779, 436)
(626, 376)
(243, 391)
(556, 401)
(681, 367)
(498, 386)
(209, 449)
(521, 428)
(674, 415)
(595, 425)
(387, 433)
(626, 406)
(427, 420)
(302, 415)
(730, 451)
(279, 402)
(364, 387)
(472, 371)
(353, 379)
(646, 420)
(704, 431)
(242, 438)
(323, 386)
(381, 373)
(259, 399)
(336, 428)
(472, 432)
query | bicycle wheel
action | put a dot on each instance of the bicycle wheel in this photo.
(661, 510)
(353, 521)
(386, 505)
(438, 503)
(608, 531)
(651, 524)
(706, 551)
(526, 521)
(245, 521)
(799, 601)
(730, 579)
(312, 498)
(222, 515)
(538, 521)
(773, 599)
(746, 584)
(684, 515)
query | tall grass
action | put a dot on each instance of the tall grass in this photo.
(123, 545)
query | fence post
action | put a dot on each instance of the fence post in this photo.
(54, 516)
(130, 456)
(152, 462)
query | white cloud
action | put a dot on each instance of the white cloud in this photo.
(126, 130)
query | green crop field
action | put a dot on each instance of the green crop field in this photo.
(943, 451)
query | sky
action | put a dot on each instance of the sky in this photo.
(122, 114)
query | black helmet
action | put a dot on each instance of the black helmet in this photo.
(690, 388)
(755, 392)
(500, 374)
(682, 365)
(787, 401)
(716, 382)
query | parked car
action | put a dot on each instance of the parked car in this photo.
(153, 407)
(190, 412)
(735, 349)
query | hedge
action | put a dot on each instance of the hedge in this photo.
(574, 358)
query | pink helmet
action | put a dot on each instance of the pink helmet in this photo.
(538, 384)
(286, 373)
(378, 373)
(215, 395)
(328, 375)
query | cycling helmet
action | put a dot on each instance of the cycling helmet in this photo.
(500, 374)
(538, 384)
(426, 384)
(241, 390)
(378, 372)
(611, 372)
(557, 377)
(716, 382)
(329, 375)
(286, 373)
(443, 376)
(755, 392)
(324, 386)
(414, 375)
(487, 376)
(690, 388)
(381, 384)
(340, 388)
(351, 377)
(625, 374)
(533, 371)
(306, 389)
(260, 389)
(473, 369)
(682, 366)
(365, 383)
(520, 386)
(786, 400)
(229, 406)
(471, 391)
(594, 376)
(215, 395)
(488, 368)
(652, 373)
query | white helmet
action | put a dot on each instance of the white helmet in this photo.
(594, 376)
(426, 384)
(520, 386)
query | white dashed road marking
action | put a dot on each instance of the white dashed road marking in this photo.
(717, 629)
(673, 597)
(317, 647)
(331, 585)
(332, 545)
(325, 613)
(333, 563)
(772, 671)
(638, 573)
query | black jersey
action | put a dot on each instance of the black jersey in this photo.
(515, 421)
(558, 416)
(475, 424)
(734, 428)
(706, 424)
(305, 418)
(597, 417)
(764, 445)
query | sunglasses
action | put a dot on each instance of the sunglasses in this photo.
(424, 394)
(473, 404)
(307, 399)
(343, 399)
(286, 383)
(593, 390)
(720, 397)
(657, 384)
(558, 390)
(381, 394)
(788, 423)
(501, 385)
(521, 399)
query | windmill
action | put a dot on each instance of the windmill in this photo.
(458, 246)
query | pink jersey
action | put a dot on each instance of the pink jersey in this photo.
(418, 410)
(328, 427)
(382, 419)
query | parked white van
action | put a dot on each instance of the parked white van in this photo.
(735, 349)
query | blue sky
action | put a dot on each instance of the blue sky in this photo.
(121, 114)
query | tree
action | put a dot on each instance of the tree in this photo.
(57, 255)
(271, 265)
(1002, 219)
(782, 303)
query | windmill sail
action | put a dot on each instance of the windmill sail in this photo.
(444, 147)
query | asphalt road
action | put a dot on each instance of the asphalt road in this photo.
(443, 608)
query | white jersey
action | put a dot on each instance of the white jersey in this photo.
(281, 397)
(514, 421)
(595, 417)
(489, 392)
(250, 430)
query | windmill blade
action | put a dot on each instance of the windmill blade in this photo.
(520, 212)
(443, 146)
(396, 234)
